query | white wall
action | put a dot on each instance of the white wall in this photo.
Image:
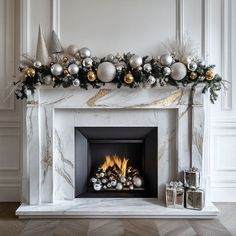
(110, 26)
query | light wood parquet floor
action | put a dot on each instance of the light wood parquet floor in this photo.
(11, 226)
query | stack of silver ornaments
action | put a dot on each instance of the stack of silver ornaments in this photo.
(109, 180)
(175, 195)
(194, 195)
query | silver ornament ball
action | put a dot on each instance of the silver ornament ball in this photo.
(178, 71)
(123, 179)
(87, 62)
(119, 186)
(166, 71)
(106, 72)
(135, 61)
(56, 69)
(85, 52)
(97, 187)
(73, 69)
(76, 82)
(113, 183)
(72, 49)
(185, 59)
(137, 181)
(110, 57)
(131, 187)
(147, 67)
(119, 68)
(151, 80)
(37, 64)
(192, 66)
(93, 180)
(166, 59)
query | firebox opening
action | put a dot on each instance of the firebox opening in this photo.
(116, 162)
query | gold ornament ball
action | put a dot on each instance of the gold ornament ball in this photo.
(139, 68)
(210, 74)
(65, 59)
(91, 76)
(193, 75)
(30, 72)
(129, 79)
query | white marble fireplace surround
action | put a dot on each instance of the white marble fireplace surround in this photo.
(51, 118)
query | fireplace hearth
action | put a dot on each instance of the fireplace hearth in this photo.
(116, 162)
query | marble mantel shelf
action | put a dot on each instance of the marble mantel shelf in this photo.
(113, 207)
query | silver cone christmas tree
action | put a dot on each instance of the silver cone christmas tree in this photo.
(42, 51)
(55, 44)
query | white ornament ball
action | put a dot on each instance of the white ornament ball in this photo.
(73, 69)
(151, 80)
(178, 71)
(119, 186)
(97, 187)
(106, 72)
(47, 79)
(72, 49)
(166, 71)
(137, 181)
(166, 59)
(85, 52)
(87, 62)
(56, 69)
(76, 82)
(147, 67)
(192, 66)
(37, 64)
(135, 61)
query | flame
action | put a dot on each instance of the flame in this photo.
(110, 161)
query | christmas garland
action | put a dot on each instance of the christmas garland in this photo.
(75, 67)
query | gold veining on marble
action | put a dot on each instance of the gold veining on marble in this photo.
(100, 94)
(167, 101)
(163, 102)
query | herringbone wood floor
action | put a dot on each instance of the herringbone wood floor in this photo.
(11, 226)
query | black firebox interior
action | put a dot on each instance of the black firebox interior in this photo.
(138, 144)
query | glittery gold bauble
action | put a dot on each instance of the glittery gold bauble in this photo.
(65, 59)
(129, 79)
(91, 76)
(30, 72)
(210, 74)
(193, 75)
(139, 68)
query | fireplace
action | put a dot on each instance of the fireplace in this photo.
(116, 162)
(70, 132)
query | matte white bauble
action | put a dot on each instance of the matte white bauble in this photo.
(106, 72)
(56, 69)
(166, 59)
(72, 49)
(135, 61)
(178, 71)
(73, 69)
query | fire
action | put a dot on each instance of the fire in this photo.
(117, 161)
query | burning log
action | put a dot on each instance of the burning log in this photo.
(115, 175)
